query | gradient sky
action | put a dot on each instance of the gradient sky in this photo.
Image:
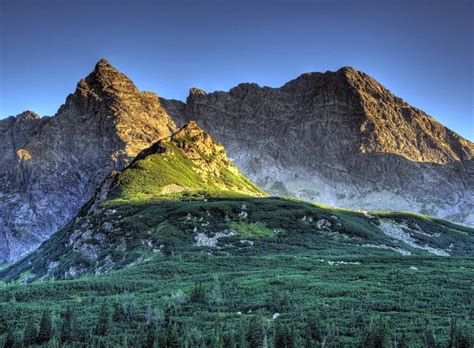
(422, 50)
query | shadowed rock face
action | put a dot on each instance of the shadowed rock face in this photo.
(339, 138)
(50, 166)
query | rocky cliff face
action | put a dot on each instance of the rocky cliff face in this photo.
(338, 138)
(50, 166)
(342, 139)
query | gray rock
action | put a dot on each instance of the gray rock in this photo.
(342, 139)
(50, 166)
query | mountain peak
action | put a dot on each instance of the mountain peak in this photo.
(106, 78)
(105, 70)
(188, 162)
(102, 63)
(347, 69)
(191, 127)
(27, 115)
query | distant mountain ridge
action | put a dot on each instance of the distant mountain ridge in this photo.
(338, 138)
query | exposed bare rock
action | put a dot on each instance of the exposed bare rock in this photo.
(339, 138)
(50, 166)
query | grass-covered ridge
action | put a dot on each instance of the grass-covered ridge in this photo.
(124, 233)
(188, 162)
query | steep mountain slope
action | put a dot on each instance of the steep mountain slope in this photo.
(50, 166)
(183, 195)
(188, 165)
(339, 138)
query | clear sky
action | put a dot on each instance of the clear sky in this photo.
(422, 50)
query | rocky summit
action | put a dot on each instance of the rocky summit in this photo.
(342, 139)
(50, 166)
(338, 138)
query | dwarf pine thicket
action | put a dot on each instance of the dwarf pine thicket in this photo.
(209, 260)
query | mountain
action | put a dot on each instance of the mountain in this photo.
(50, 166)
(189, 165)
(180, 249)
(182, 194)
(339, 138)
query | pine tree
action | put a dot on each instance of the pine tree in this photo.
(256, 333)
(216, 339)
(150, 336)
(430, 338)
(402, 341)
(281, 335)
(68, 329)
(458, 337)
(376, 336)
(46, 328)
(312, 330)
(10, 338)
(103, 323)
(215, 293)
(149, 319)
(172, 339)
(198, 294)
(31, 333)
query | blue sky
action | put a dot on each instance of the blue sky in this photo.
(422, 50)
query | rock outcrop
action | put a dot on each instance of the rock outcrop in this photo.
(50, 166)
(339, 138)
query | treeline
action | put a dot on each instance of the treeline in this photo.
(174, 323)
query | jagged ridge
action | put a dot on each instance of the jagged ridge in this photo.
(342, 139)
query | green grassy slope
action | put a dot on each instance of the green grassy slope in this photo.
(339, 303)
(185, 251)
(125, 233)
(187, 163)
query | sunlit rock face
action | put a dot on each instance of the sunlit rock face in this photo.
(50, 166)
(342, 139)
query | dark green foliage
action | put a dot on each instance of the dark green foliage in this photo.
(377, 335)
(198, 294)
(257, 332)
(69, 326)
(9, 338)
(150, 335)
(103, 322)
(283, 335)
(31, 332)
(280, 262)
(46, 328)
(172, 338)
(460, 338)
